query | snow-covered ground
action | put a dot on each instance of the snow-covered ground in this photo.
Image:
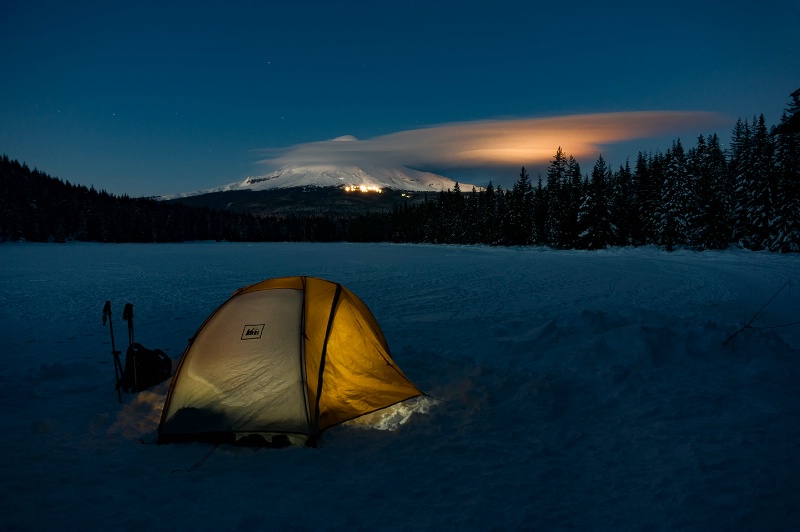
(574, 389)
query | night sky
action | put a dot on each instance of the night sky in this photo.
(147, 98)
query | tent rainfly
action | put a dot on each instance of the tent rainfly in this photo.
(279, 362)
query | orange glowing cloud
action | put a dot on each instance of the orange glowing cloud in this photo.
(497, 142)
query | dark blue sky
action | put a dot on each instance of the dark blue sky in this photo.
(144, 98)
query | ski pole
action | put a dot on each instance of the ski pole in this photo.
(127, 315)
(117, 364)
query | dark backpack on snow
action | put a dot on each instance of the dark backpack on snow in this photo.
(144, 368)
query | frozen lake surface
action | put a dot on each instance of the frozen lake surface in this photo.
(567, 389)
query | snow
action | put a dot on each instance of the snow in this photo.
(568, 389)
(327, 175)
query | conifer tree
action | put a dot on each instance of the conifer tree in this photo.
(739, 169)
(489, 219)
(621, 204)
(539, 213)
(673, 216)
(594, 216)
(454, 216)
(503, 231)
(650, 179)
(713, 220)
(520, 211)
(639, 183)
(574, 198)
(557, 197)
(787, 220)
(471, 218)
(760, 189)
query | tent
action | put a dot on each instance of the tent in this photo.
(279, 362)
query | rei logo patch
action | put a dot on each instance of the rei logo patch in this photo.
(252, 332)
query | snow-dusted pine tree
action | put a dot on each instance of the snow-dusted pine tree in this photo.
(539, 213)
(488, 214)
(707, 165)
(518, 223)
(501, 223)
(760, 190)
(557, 189)
(739, 170)
(641, 195)
(574, 198)
(594, 216)
(651, 181)
(623, 208)
(674, 213)
(786, 224)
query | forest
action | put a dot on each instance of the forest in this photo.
(698, 197)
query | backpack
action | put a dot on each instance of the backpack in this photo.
(144, 368)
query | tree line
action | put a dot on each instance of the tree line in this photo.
(703, 197)
(38, 208)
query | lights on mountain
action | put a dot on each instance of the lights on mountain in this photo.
(362, 188)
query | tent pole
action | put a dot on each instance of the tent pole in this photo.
(315, 436)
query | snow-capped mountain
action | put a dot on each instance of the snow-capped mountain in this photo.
(369, 176)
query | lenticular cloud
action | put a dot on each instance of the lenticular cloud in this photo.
(495, 142)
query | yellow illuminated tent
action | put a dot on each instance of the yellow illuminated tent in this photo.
(292, 357)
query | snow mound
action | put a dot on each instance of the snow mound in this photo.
(393, 417)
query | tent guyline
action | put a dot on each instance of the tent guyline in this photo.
(758, 314)
(280, 362)
(197, 465)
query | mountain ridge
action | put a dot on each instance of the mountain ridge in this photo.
(361, 177)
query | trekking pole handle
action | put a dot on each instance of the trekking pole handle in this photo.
(127, 315)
